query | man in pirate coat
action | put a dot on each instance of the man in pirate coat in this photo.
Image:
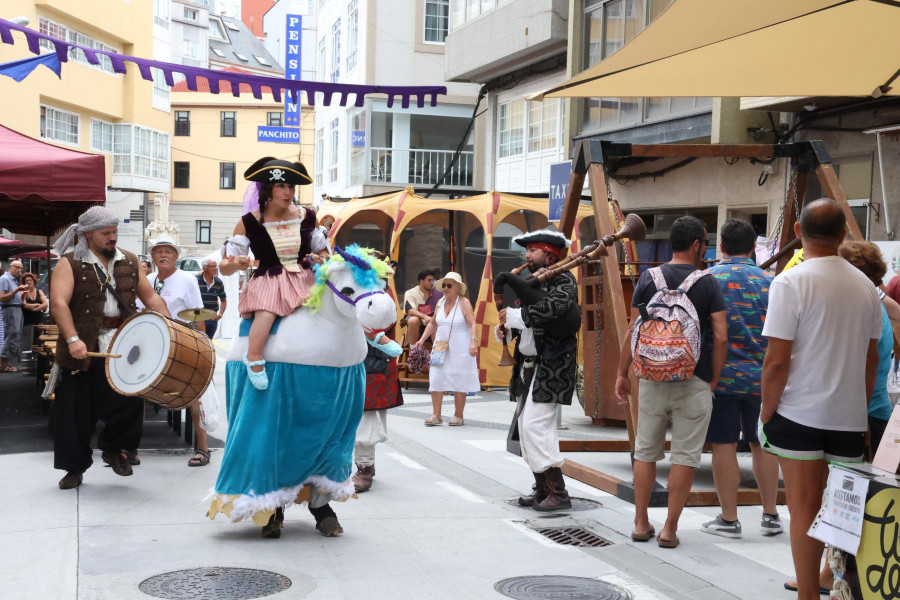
(544, 372)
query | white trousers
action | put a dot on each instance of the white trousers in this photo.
(537, 434)
(372, 430)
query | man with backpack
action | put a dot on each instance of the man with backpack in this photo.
(675, 308)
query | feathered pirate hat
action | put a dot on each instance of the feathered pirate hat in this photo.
(274, 170)
(548, 240)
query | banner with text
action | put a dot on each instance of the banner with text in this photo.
(560, 173)
(280, 135)
(294, 25)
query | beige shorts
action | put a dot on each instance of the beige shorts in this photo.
(689, 404)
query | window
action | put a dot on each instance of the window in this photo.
(101, 136)
(218, 52)
(182, 122)
(437, 20)
(140, 151)
(333, 163)
(160, 91)
(215, 30)
(59, 125)
(228, 122)
(231, 26)
(321, 57)
(182, 175)
(204, 229)
(352, 34)
(54, 29)
(190, 14)
(320, 154)
(336, 51)
(192, 50)
(543, 125)
(226, 176)
(241, 57)
(161, 13)
(511, 129)
(275, 119)
(262, 60)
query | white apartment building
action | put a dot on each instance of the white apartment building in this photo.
(377, 148)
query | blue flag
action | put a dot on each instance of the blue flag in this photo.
(20, 69)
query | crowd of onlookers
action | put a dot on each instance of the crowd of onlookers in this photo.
(22, 306)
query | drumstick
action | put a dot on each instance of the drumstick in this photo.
(103, 355)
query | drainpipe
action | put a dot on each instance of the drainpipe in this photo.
(884, 198)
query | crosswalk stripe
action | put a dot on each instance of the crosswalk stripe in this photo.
(406, 462)
(460, 491)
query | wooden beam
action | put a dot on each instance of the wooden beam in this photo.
(570, 208)
(599, 445)
(831, 187)
(703, 150)
(745, 497)
(592, 477)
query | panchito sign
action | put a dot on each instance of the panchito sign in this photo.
(280, 135)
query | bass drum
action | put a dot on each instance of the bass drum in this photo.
(162, 361)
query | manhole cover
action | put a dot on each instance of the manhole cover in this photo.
(573, 536)
(558, 587)
(578, 504)
(215, 583)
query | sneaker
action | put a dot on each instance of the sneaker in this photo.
(771, 525)
(719, 526)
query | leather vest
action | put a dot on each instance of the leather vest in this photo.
(88, 300)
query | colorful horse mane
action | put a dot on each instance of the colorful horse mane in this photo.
(367, 270)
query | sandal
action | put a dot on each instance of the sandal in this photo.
(456, 422)
(199, 461)
(10, 369)
(643, 537)
(132, 457)
(433, 420)
(259, 380)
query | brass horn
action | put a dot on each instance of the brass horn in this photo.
(528, 288)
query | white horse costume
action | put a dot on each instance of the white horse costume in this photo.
(293, 442)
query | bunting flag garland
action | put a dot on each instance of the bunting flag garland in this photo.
(275, 85)
(22, 68)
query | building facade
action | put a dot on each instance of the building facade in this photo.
(376, 147)
(92, 108)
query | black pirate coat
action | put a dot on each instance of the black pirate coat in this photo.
(554, 380)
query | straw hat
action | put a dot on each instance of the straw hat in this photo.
(454, 277)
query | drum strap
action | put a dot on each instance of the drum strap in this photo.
(122, 306)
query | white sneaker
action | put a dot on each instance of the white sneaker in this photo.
(718, 526)
(771, 525)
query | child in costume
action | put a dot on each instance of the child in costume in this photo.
(281, 236)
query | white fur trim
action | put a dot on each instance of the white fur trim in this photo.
(247, 505)
(546, 231)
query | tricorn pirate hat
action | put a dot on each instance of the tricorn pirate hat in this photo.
(274, 170)
(544, 237)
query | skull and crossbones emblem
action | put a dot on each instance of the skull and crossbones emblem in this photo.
(276, 175)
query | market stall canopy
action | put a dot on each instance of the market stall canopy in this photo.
(44, 187)
(760, 48)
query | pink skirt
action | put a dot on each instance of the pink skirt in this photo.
(279, 294)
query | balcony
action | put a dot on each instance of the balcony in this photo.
(411, 167)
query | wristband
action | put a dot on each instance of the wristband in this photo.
(73, 339)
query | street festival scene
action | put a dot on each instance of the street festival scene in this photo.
(427, 299)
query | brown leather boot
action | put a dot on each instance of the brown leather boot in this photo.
(272, 529)
(557, 496)
(362, 479)
(538, 492)
(71, 480)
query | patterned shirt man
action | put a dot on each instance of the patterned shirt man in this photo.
(746, 290)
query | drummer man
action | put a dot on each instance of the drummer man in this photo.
(94, 285)
(180, 291)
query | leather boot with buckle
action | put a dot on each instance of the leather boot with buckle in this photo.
(116, 460)
(362, 479)
(538, 492)
(272, 529)
(71, 480)
(557, 496)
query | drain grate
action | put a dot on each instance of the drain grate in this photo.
(558, 587)
(578, 504)
(573, 536)
(215, 583)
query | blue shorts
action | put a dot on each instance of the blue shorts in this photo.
(789, 439)
(733, 416)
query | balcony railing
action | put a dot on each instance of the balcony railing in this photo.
(412, 167)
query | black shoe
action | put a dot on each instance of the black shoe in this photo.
(71, 481)
(118, 463)
(132, 457)
(272, 529)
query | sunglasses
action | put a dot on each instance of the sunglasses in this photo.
(446, 285)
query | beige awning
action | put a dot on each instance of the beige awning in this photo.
(754, 48)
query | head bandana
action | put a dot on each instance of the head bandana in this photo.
(94, 218)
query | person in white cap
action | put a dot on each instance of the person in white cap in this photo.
(180, 291)
(95, 284)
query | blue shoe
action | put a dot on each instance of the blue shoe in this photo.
(259, 380)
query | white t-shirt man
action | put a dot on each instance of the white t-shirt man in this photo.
(831, 311)
(180, 291)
